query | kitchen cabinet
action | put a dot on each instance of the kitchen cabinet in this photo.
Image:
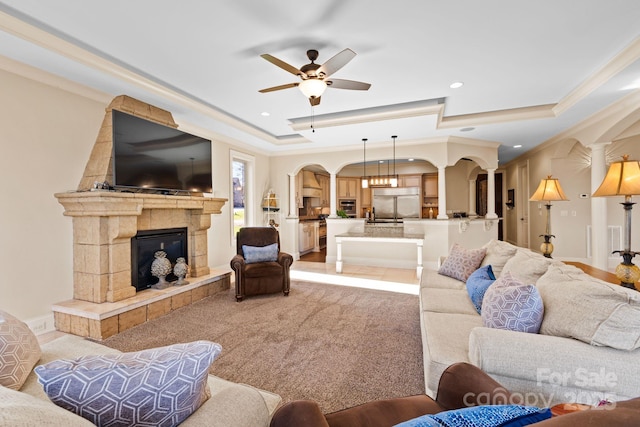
(410, 181)
(325, 185)
(306, 237)
(430, 185)
(348, 187)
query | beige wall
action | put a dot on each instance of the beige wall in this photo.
(46, 135)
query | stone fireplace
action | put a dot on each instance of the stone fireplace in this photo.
(104, 223)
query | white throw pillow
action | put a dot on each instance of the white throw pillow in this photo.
(527, 266)
(590, 310)
(498, 253)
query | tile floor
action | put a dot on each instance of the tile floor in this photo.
(389, 279)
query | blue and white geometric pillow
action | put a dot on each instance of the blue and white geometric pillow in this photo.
(155, 387)
(482, 416)
(513, 305)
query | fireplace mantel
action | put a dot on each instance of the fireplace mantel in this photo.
(104, 223)
(113, 203)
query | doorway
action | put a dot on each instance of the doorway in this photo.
(522, 206)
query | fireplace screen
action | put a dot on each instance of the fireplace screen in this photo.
(144, 245)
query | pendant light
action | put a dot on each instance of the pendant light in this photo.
(388, 180)
(365, 180)
(393, 181)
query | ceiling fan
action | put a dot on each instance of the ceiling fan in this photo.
(316, 77)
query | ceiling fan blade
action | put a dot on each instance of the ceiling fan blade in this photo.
(314, 101)
(280, 63)
(271, 89)
(347, 84)
(336, 62)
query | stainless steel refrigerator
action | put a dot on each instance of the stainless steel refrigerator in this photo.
(397, 203)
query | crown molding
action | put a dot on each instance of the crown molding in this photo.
(375, 114)
(626, 57)
(497, 116)
(39, 37)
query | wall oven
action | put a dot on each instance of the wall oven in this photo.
(349, 207)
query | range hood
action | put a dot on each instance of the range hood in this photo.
(310, 185)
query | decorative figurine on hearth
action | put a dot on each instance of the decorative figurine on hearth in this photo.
(160, 267)
(180, 270)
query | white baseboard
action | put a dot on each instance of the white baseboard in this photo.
(41, 325)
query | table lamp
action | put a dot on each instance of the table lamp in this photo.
(623, 179)
(548, 191)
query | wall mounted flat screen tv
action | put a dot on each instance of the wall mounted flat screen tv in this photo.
(151, 156)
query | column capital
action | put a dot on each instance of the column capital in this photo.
(597, 145)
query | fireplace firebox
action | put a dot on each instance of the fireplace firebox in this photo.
(144, 245)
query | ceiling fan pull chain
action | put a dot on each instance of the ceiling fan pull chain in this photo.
(313, 130)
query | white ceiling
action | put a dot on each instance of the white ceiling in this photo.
(201, 61)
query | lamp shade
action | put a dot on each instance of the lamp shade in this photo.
(312, 88)
(548, 190)
(622, 179)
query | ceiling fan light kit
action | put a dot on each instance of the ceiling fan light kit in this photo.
(312, 88)
(315, 77)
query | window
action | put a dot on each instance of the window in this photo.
(242, 191)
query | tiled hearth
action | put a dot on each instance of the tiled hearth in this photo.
(102, 320)
(104, 300)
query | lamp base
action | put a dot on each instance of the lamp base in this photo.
(546, 247)
(626, 271)
(628, 274)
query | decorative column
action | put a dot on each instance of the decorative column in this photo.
(333, 207)
(293, 207)
(442, 194)
(472, 197)
(491, 194)
(599, 221)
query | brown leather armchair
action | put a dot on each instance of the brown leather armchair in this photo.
(461, 385)
(263, 277)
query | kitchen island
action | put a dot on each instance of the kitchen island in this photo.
(382, 235)
(363, 243)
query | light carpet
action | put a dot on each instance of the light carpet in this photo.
(337, 345)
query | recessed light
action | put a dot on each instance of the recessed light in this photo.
(456, 85)
(467, 129)
(517, 146)
(265, 114)
(411, 160)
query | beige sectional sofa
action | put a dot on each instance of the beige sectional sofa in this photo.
(230, 404)
(587, 348)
